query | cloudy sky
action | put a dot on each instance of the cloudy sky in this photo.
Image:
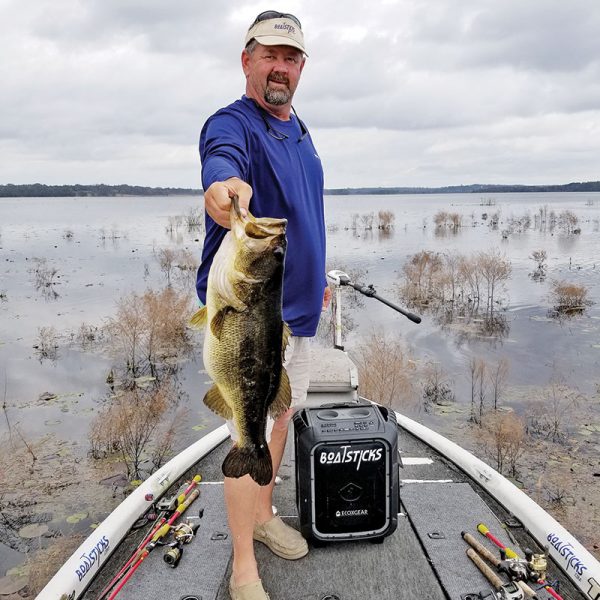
(405, 92)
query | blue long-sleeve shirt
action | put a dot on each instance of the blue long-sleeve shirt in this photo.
(283, 168)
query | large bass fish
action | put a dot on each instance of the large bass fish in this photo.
(246, 337)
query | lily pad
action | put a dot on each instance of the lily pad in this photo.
(21, 570)
(12, 585)
(75, 518)
(33, 530)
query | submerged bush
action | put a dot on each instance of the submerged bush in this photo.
(502, 439)
(134, 425)
(46, 344)
(149, 331)
(453, 285)
(569, 298)
(385, 371)
(385, 219)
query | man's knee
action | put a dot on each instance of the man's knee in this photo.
(282, 422)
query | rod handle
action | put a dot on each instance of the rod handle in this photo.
(487, 571)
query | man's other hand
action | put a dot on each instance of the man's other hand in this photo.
(326, 297)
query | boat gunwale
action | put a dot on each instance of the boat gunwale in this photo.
(569, 555)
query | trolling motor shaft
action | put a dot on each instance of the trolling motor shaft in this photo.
(339, 278)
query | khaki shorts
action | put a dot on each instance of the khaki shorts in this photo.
(297, 365)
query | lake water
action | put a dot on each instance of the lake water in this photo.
(104, 248)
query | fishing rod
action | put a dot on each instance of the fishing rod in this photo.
(339, 278)
(166, 506)
(155, 541)
(515, 569)
(505, 591)
(537, 564)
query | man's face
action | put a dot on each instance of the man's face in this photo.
(272, 73)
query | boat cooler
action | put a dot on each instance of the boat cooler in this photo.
(346, 472)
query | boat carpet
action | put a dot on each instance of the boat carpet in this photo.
(440, 512)
(357, 570)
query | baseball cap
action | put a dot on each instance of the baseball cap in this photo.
(272, 28)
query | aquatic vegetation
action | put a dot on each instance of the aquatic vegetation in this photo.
(539, 257)
(449, 220)
(569, 298)
(46, 345)
(386, 371)
(567, 222)
(46, 277)
(385, 220)
(174, 222)
(166, 261)
(544, 220)
(148, 332)
(437, 387)
(181, 264)
(484, 377)
(502, 440)
(195, 219)
(363, 222)
(553, 411)
(454, 285)
(88, 336)
(135, 425)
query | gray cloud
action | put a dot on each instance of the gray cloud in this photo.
(406, 92)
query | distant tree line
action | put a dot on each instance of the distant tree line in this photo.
(587, 186)
(41, 190)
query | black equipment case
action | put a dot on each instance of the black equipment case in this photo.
(346, 471)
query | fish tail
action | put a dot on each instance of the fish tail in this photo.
(253, 461)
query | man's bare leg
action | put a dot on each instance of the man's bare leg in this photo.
(264, 509)
(241, 499)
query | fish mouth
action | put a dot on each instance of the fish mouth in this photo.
(257, 228)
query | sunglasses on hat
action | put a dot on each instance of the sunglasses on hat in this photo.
(273, 14)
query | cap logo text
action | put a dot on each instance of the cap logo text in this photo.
(290, 28)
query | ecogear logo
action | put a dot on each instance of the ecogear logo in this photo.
(346, 455)
(352, 513)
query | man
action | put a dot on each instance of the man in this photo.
(259, 149)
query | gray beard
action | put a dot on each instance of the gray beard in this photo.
(277, 97)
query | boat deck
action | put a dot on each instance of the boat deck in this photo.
(424, 558)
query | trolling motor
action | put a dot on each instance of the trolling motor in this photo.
(339, 279)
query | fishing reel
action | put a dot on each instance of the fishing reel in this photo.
(537, 564)
(173, 554)
(516, 568)
(183, 534)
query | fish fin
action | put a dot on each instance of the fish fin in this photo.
(255, 462)
(215, 401)
(285, 339)
(216, 324)
(198, 319)
(283, 399)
